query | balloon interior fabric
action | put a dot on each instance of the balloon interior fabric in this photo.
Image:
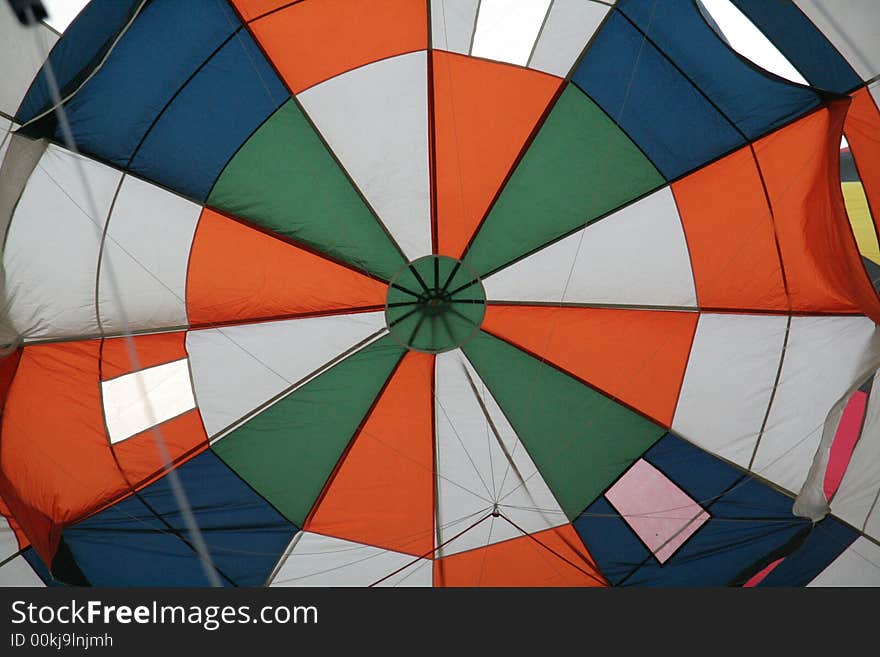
(444, 293)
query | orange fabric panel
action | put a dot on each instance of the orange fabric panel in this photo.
(151, 350)
(251, 9)
(140, 458)
(862, 129)
(310, 42)
(559, 560)
(8, 365)
(238, 273)
(636, 356)
(729, 232)
(483, 113)
(55, 459)
(801, 168)
(383, 492)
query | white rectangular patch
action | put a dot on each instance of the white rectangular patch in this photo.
(507, 29)
(137, 401)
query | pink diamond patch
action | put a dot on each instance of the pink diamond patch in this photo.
(657, 510)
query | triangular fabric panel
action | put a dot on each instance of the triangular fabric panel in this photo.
(375, 120)
(238, 273)
(316, 560)
(636, 356)
(383, 490)
(579, 167)
(554, 557)
(593, 439)
(237, 368)
(482, 465)
(310, 42)
(284, 179)
(288, 451)
(638, 255)
(483, 114)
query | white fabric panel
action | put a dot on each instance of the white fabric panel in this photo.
(472, 469)
(140, 400)
(146, 250)
(874, 90)
(507, 29)
(237, 368)
(856, 500)
(858, 565)
(8, 541)
(317, 560)
(824, 357)
(569, 27)
(18, 572)
(375, 118)
(6, 127)
(728, 383)
(636, 256)
(51, 253)
(22, 51)
(853, 27)
(452, 24)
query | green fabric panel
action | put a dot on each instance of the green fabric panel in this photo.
(579, 439)
(287, 452)
(579, 167)
(284, 179)
(435, 305)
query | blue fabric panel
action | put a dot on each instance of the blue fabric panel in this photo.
(129, 543)
(83, 43)
(30, 555)
(755, 101)
(675, 126)
(749, 521)
(826, 542)
(612, 544)
(696, 472)
(167, 43)
(210, 118)
(802, 43)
